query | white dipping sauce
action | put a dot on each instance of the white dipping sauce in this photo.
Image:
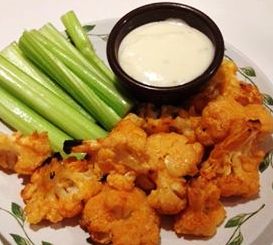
(165, 53)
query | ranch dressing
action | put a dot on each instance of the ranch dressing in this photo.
(165, 53)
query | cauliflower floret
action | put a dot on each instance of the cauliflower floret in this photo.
(204, 211)
(122, 182)
(171, 157)
(122, 150)
(173, 152)
(225, 83)
(23, 154)
(169, 119)
(233, 164)
(185, 126)
(219, 116)
(58, 190)
(120, 216)
(169, 195)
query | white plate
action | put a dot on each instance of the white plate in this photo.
(256, 231)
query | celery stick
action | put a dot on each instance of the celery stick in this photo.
(47, 61)
(46, 103)
(110, 97)
(20, 117)
(59, 40)
(13, 54)
(55, 36)
(82, 42)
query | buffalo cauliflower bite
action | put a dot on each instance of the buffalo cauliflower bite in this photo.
(216, 121)
(23, 154)
(169, 195)
(122, 182)
(204, 211)
(58, 190)
(219, 116)
(120, 216)
(225, 83)
(122, 150)
(169, 119)
(171, 157)
(233, 164)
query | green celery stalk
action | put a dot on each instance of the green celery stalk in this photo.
(47, 61)
(50, 32)
(83, 43)
(110, 97)
(55, 36)
(46, 103)
(13, 54)
(20, 117)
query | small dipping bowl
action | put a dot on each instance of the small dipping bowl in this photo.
(159, 12)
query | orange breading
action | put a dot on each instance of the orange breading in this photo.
(171, 157)
(23, 154)
(233, 164)
(58, 190)
(120, 217)
(204, 211)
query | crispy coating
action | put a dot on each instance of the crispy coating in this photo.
(120, 217)
(171, 157)
(23, 154)
(58, 190)
(204, 211)
(233, 164)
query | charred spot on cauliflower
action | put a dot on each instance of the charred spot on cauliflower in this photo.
(59, 189)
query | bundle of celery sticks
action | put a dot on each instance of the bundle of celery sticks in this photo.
(49, 84)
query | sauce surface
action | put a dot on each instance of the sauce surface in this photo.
(165, 53)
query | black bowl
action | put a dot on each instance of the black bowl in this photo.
(159, 12)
